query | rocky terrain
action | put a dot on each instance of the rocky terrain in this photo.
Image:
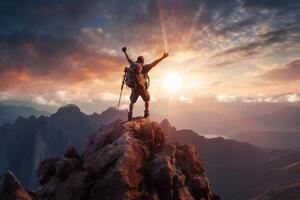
(123, 160)
(252, 171)
(28, 141)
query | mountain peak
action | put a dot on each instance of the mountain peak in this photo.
(111, 110)
(126, 160)
(165, 122)
(70, 108)
(167, 127)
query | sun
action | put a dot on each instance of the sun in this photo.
(172, 81)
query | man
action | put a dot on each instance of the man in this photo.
(141, 87)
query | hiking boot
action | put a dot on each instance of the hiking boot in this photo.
(129, 116)
(146, 114)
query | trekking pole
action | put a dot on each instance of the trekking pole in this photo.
(123, 80)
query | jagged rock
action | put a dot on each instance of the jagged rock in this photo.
(46, 170)
(60, 167)
(177, 172)
(71, 152)
(65, 166)
(12, 189)
(117, 153)
(75, 187)
(128, 161)
(167, 127)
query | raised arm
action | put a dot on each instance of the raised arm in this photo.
(126, 55)
(149, 66)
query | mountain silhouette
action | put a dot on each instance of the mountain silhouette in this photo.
(280, 129)
(284, 119)
(8, 114)
(270, 139)
(251, 170)
(27, 141)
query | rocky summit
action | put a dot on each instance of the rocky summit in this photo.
(125, 160)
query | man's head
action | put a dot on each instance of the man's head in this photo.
(140, 59)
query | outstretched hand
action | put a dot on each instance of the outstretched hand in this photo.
(124, 49)
(166, 54)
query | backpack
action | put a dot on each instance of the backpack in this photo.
(130, 77)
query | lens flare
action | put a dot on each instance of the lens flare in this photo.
(172, 81)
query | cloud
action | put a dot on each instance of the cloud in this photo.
(26, 56)
(49, 16)
(226, 98)
(272, 4)
(63, 45)
(289, 72)
(266, 40)
(291, 98)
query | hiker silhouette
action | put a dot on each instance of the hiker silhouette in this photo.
(136, 77)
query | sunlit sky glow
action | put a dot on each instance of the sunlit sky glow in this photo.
(58, 52)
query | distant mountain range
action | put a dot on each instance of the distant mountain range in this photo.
(240, 170)
(270, 139)
(219, 118)
(280, 129)
(8, 114)
(27, 141)
(287, 118)
(237, 170)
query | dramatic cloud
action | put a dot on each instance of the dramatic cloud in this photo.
(74, 45)
(290, 72)
(278, 37)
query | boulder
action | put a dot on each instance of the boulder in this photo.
(75, 187)
(12, 189)
(176, 172)
(124, 148)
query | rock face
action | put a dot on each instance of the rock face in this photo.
(126, 161)
(11, 188)
(129, 161)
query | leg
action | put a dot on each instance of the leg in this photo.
(133, 98)
(146, 97)
(130, 110)
(146, 114)
(131, 106)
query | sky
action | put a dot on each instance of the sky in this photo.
(54, 52)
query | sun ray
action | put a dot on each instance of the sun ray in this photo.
(162, 24)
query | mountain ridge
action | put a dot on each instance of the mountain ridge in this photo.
(8, 114)
(27, 141)
(252, 170)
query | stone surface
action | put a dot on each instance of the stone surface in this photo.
(126, 161)
(12, 189)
